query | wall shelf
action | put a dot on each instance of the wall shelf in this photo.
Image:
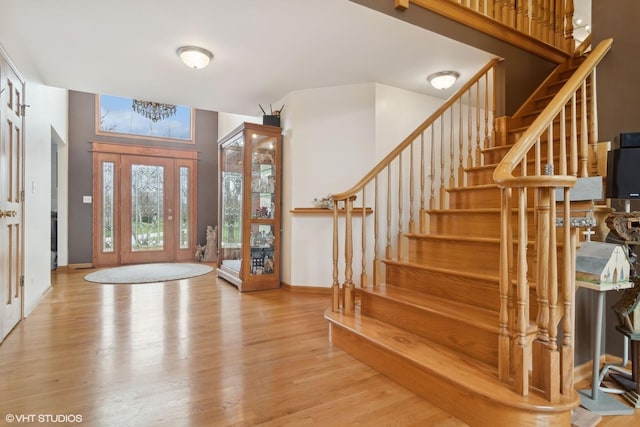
(356, 211)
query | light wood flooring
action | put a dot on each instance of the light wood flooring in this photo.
(195, 353)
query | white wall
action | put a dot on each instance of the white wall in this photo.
(328, 144)
(398, 113)
(332, 138)
(48, 111)
(228, 122)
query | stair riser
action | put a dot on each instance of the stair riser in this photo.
(472, 224)
(470, 198)
(463, 337)
(469, 405)
(540, 103)
(493, 157)
(477, 257)
(485, 175)
(474, 198)
(476, 291)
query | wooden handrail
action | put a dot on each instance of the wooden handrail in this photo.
(503, 174)
(580, 50)
(408, 140)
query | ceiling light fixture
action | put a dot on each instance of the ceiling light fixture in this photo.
(194, 56)
(443, 79)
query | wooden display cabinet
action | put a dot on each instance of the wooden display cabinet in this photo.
(249, 207)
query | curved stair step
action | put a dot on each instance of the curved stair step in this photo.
(466, 388)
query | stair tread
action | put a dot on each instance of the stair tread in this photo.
(459, 369)
(473, 187)
(479, 317)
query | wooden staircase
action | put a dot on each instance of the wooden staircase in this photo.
(432, 321)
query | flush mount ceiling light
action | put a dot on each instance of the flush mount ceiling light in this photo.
(194, 56)
(443, 79)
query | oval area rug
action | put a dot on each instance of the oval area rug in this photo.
(147, 273)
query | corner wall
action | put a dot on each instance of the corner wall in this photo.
(332, 138)
(46, 115)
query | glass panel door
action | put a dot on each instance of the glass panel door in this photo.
(144, 205)
(263, 204)
(231, 209)
(148, 202)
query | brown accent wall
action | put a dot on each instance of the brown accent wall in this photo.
(523, 71)
(82, 132)
(618, 102)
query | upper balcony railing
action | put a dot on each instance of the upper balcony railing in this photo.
(542, 27)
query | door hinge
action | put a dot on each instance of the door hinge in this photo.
(23, 108)
(22, 281)
(22, 196)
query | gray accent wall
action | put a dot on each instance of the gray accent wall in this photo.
(82, 131)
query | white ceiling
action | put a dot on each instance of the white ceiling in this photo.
(263, 49)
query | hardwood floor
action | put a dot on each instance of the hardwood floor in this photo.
(192, 353)
(195, 353)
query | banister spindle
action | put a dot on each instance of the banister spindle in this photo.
(568, 292)
(452, 151)
(412, 222)
(478, 147)
(460, 147)
(335, 289)
(538, 159)
(520, 16)
(504, 341)
(569, 44)
(442, 154)
(470, 160)
(584, 133)
(363, 234)
(400, 248)
(522, 352)
(558, 41)
(548, 21)
(421, 218)
(349, 292)
(573, 169)
(388, 252)
(593, 137)
(432, 171)
(550, 159)
(376, 237)
(486, 111)
(542, 255)
(552, 362)
(563, 141)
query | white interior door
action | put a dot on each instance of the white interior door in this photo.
(11, 197)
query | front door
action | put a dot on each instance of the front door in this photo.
(144, 205)
(11, 197)
(148, 210)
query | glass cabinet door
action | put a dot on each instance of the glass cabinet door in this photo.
(231, 204)
(263, 204)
